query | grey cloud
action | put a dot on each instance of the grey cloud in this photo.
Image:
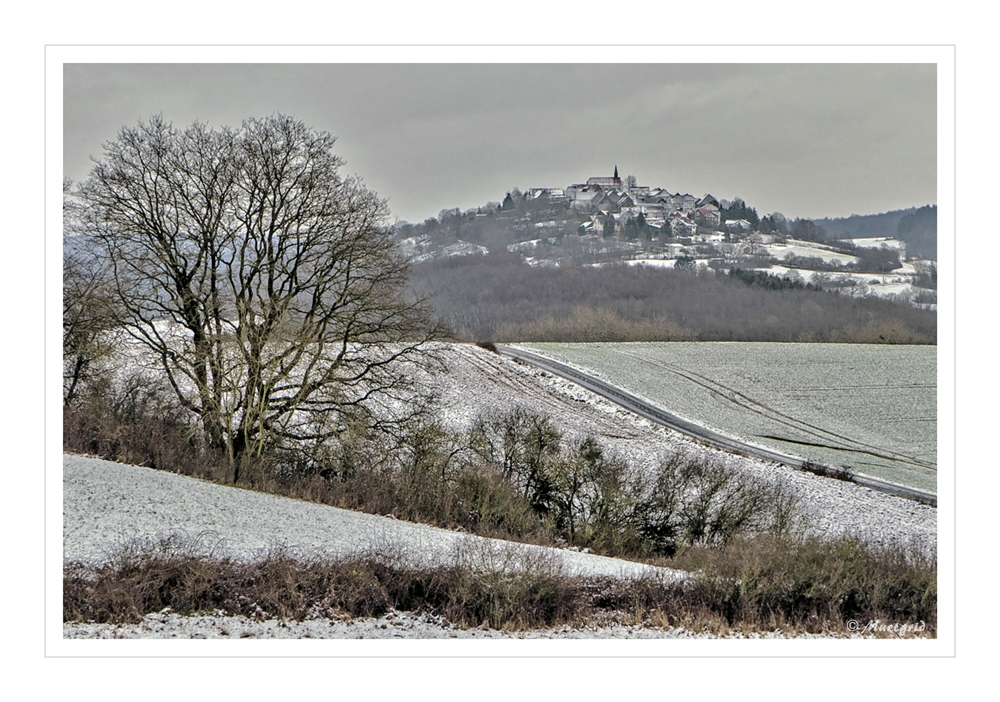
(805, 139)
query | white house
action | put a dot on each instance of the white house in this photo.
(680, 225)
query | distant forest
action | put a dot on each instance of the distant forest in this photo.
(501, 298)
(916, 226)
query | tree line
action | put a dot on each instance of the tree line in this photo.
(917, 226)
(501, 298)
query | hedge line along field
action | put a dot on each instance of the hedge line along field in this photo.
(871, 408)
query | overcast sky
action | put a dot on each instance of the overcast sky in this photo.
(807, 140)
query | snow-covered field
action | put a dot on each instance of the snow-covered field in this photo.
(894, 284)
(879, 242)
(871, 408)
(809, 250)
(652, 262)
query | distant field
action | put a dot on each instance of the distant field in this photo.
(872, 408)
(779, 251)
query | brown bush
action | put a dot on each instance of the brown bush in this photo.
(762, 584)
(136, 421)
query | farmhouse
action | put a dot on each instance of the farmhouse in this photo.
(614, 201)
(680, 225)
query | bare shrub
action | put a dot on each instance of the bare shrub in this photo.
(596, 497)
(599, 501)
(493, 506)
(521, 444)
(828, 471)
(696, 501)
(508, 586)
(136, 420)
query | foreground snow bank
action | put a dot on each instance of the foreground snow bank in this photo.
(393, 625)
(108, 506)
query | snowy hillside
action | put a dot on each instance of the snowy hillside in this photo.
(479, 380)
(108, 505)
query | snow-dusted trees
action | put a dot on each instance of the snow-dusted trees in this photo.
(263, 282)
(88, 307)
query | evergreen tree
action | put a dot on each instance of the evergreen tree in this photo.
(609, 226)
(631, 230)
(643, 227)
(685, 263)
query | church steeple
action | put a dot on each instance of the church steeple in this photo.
(616, 171)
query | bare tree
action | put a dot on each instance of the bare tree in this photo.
(263, 282)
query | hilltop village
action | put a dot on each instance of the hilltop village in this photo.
(609, 219)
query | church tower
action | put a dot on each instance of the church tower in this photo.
(605, 182)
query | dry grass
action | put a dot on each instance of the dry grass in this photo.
(813, 584)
